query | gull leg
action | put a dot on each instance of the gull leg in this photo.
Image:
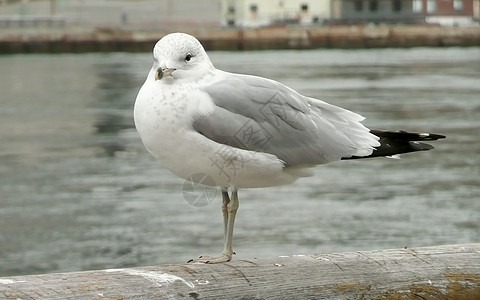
(232, 208)
(225, 201)
(229, 209)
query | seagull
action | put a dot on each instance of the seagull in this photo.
(244, 131)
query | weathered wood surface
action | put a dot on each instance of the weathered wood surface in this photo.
(443, 272)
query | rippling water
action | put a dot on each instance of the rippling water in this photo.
(78, 191)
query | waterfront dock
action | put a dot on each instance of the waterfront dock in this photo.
(217, 38)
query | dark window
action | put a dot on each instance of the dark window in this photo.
(253, 8)
(397, 5)
(304, 7)
(231, 9)
(358, 4)
(373, 5)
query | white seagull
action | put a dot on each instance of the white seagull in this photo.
(244, 131)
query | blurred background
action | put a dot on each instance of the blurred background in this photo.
(78, 191)
(134, 25)
(148, 14)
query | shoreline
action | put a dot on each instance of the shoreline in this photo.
(238, 39)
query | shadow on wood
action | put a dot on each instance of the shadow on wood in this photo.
(442, 272)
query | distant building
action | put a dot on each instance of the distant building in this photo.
(445, 12)
(448, 12)
(374, 11)
(137, 14)
(254, 13)
(183, 14)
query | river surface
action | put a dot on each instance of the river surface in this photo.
(78, 191)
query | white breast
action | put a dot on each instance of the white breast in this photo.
(163, 117)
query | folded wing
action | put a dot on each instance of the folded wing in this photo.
(262, 115)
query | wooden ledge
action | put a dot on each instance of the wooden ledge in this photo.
(441, 272)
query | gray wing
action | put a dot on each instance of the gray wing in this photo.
(262, 115)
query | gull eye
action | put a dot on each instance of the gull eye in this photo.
(188, 57)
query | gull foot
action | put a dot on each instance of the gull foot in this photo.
(205, 259)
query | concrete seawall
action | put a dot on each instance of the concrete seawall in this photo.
(332, 36)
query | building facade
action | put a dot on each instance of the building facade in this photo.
(374, 11)
(445, 12)
(152, 14)
(448, 12)
(254, 13)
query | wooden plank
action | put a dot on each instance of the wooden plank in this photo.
(442, 272)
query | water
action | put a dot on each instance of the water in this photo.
(78, 191)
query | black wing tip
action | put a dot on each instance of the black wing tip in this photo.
(408, 136)
(400, 142)
(434, 136)
(428, 136)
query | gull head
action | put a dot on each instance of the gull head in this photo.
(179, 57)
